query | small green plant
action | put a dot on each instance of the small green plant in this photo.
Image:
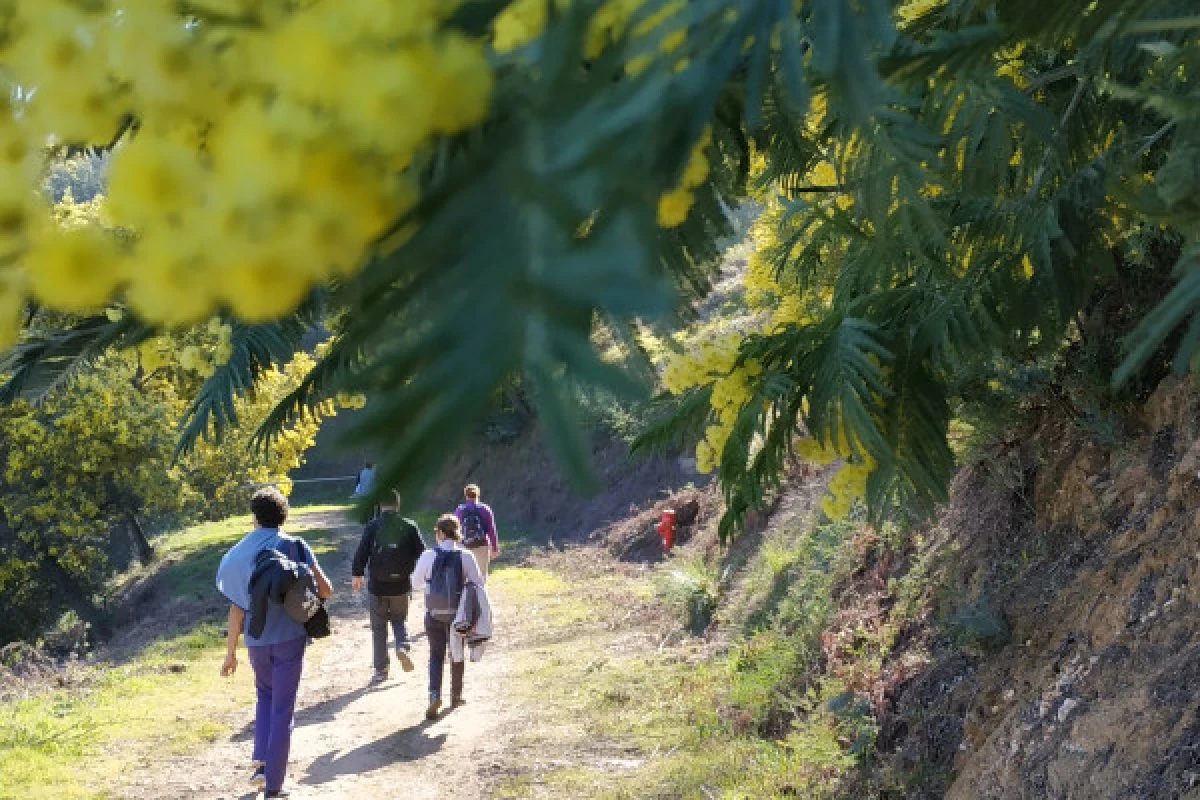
(978, 623)
(692, 585)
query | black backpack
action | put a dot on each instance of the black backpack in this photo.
(446, 582)
(302, 602)
(474, 531)
(391, 555)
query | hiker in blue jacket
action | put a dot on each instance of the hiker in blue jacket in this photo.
(277, 654)
(443, 572)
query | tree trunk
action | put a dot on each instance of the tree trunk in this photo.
(137, 537)
(98, 620)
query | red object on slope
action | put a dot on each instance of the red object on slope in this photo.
(666, 529)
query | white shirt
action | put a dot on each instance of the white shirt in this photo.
(420, 573)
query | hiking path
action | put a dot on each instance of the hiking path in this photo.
(353, 740)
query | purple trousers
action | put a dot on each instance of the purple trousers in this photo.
(277, 670)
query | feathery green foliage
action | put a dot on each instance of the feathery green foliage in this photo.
(996, 167)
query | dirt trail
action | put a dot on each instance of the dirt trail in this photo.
(352, 741)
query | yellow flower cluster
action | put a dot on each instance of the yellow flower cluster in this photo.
(849, 483)
(520, 23)
(778, 294)
(12, 293)
(209, 348)
(269, 153)
(713, 358)
(782, 301)
(674, 205)
(915, 9)
(524, 20)
(715, 362)
(198, 350)
(69, 464)
(347, 400)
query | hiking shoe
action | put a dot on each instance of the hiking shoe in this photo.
(259, 779)
(379, 677)
(435, 704)
(406, 663)
(278, 793)
(458, 702)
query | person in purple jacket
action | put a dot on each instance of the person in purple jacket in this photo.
(478, 528)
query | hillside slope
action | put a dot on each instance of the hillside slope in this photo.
(1096, 695)
(530, 492)
(1040, 640)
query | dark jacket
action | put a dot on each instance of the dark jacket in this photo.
(410, 548)
(273, 580)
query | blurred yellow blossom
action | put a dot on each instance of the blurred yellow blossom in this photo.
(212, 192)
(674, 205)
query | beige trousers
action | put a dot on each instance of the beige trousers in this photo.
(483, 557)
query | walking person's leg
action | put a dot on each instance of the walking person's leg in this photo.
(483, 557)
(438, 634)
(260, 662)
(379, 617)
(398, 609)
(287, 663)
(457, 671)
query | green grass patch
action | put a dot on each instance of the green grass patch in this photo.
(72, 743)
(187, 560)
(526, 583)
(640, 713)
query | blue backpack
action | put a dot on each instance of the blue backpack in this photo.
(445, 586)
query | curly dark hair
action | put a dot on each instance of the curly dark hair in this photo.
(270, 507)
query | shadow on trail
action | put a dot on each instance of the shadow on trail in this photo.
(325, 711)
(406, 744)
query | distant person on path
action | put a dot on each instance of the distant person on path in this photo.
(478, 525)
(443, 572)
(277, 655)
(366, 480)
(389, 549)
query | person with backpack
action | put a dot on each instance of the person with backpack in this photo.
(444, 571)
(478, 528)
(389, 548)
(277, 642)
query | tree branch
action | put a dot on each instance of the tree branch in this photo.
(1051, 76)
(1154, 139)
(1040, 175)
(814, 189)
(1172, 25)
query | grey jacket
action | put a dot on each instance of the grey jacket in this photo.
(472, 628)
